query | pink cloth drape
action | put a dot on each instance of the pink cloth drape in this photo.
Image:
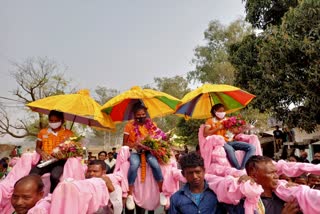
(308, 199)
(42, 206)
(214, 155)
(21, 168)
(73, 168)
(229, 191)
(146, 194)
(82, 196)
(294, 169)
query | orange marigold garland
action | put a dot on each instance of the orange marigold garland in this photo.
(143, 165)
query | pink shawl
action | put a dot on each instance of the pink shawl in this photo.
(146, 194)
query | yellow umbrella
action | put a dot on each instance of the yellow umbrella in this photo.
(197, 103)
(79, 107)
(158, 103)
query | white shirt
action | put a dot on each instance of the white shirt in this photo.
(110, 163)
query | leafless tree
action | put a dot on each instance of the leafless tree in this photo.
(36, 78)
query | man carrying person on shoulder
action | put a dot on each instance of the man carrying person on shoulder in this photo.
(27, 192)
(97, 169)
(195, 196)
(262, 170)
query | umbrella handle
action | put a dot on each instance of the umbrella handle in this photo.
(73, 122)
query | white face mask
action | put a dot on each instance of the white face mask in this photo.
(55, 125)
(220, 115)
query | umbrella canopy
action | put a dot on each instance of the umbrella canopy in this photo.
(158, 103)
(197, 104)
(79, 107)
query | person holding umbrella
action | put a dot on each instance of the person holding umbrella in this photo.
(214, 126)
(47, 140)
(135, 131)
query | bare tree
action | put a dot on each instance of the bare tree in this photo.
(36, 78)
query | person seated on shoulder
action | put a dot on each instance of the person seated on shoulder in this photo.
(195, 196)
(263, 171)
(134, 132)
(27, 192)
(48, 139)
(214, 126)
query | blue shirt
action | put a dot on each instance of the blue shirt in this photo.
(183, 202)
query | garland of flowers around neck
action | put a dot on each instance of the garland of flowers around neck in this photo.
(154, 131)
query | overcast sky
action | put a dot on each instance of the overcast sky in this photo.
(116, 44)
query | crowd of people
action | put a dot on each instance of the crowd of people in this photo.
(204, 190)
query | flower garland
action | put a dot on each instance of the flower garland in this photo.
(153, 130)
(155, 133)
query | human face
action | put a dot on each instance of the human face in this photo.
(25, 196)
(220, 113)
(313, 180)
(300, 180)
(266, 175)
(140, 116)
(110, 156)
(95, 171)
(317, 156)
(194, 176)
(292, 159)
(102, 156)
(55, 122)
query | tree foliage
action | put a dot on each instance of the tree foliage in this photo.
(104, 94)
(189, 130)
(36, 78)
(281, 66)
(264, 13)
(211, 60)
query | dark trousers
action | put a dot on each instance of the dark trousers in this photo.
(55, 169)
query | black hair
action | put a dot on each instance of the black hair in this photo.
(33, 177)
(5, 158)
(191, 160)
(138, 106)
(295, 157)
(110, 153)
(102, 152)
(3, 163)
(114, 148)
(58, 114)
(215, 107)
(98, 162)
(253, 162)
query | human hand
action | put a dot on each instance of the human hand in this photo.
(45, 156)
(245, 178)
(291, 184)
(291, 207)
(108, 182)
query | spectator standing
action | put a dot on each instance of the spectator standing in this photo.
(111, 162)
(114, 151)
(278, 138)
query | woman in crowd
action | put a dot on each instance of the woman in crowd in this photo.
(47, 140)
(214, 126)
(134, 132)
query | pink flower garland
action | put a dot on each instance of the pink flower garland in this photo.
(154, 131)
